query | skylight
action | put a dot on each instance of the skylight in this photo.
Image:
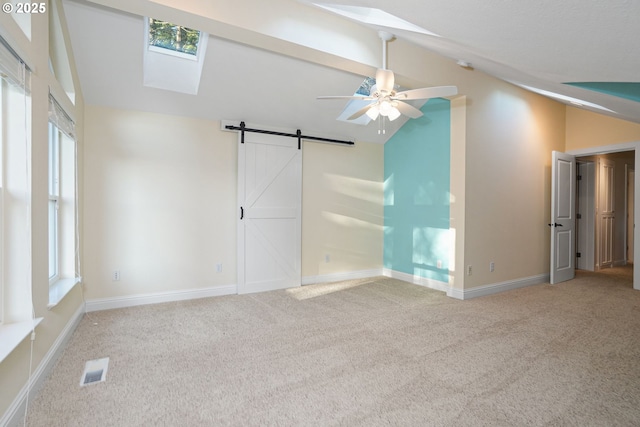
(172, 37)
(565, 98)
(372, 16)
(173, 56)
(356, 104)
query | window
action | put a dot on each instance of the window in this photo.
(172, 37)
(54, 202)
(63, 224)
(373, 16)
(15, 190)
(355, 105)
(173, 56)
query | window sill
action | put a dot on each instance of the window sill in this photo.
(13, 334)
(59, 289)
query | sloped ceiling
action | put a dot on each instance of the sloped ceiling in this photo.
(266, 62)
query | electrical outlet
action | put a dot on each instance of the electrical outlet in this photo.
(439, 263)
(492, 266)
(327, 258)
(468, 270)
(219, 268)
(116, 275)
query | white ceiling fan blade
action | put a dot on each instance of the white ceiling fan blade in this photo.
(407, 110)
(360, 112)
(427, 92)
(385, 80)
(363, 98)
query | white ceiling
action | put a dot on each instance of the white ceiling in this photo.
(541, 44)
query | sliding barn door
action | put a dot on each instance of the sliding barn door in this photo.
(269, 208)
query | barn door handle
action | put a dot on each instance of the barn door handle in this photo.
(241, 212)
(555, 224)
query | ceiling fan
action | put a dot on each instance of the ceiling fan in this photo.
(385, 101)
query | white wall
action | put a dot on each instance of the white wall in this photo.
(160, 205)
(509, 139)
(159, 202)
(342, 212)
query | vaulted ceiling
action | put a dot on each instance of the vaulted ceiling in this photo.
(266, 62)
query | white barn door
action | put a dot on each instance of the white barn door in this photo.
(269, 208)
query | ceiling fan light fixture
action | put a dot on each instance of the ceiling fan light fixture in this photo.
(387, 110)
(373, 112)
(393, 114)
(384, 100)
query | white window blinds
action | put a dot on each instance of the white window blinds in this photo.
(60, 119)
(12, 68)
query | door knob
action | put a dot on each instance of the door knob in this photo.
(555, 224)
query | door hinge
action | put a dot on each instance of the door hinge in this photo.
(578, 255)
(578, 216)
(579, 178)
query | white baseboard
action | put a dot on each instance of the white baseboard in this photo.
(170, 296)
(417, 280)
(14, 415)
(157, 298)
(495, 288)
(337, 277)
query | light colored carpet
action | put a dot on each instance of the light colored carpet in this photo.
(361, 353)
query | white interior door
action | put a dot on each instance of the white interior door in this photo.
(631, 179)
(270, 207)
(563, 179)
(586, 216)
(606, 212)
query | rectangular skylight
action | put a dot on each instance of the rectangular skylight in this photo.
(373, 16)
(170, 51)
(354, 105)
(172, 37)
(565, 98)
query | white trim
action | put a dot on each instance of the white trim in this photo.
(495, 288)
(15, 412)
(59, 289)
(159, 297)
(604, 149)
(12, 334)
(417, 280)
(338, 277)
(176, 53)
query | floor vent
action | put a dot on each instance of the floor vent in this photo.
(95, 371)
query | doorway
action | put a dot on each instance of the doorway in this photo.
(630, 211)
(605, 200)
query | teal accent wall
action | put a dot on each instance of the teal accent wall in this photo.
(416, 194)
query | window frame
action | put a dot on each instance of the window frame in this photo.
(64, 231)
(2, 178)
(54, 203)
